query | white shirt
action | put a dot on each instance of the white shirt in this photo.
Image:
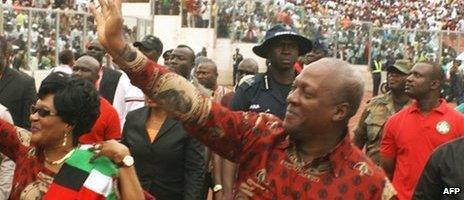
(62, 68)
(7, 166)
(127, 98)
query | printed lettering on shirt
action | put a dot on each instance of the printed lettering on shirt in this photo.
(451, 190)
(300, 171)
(254, 106)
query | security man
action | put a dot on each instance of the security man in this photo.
(376, 70)
(267, 92)
(380, 108)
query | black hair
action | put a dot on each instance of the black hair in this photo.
(66, 57)
(76, 101)
(189, 48)
(158, 44)
(167, 53)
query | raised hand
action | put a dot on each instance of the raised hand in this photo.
(109, 25)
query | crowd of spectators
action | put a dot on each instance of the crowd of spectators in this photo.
(344, 25)
(46, 36)
(198, 13)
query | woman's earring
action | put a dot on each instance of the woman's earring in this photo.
(65, 139)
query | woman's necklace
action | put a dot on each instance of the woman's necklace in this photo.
(59, 161)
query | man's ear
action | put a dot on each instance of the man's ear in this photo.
(435, 84)
(341, 111)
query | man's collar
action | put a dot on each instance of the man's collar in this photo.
(442, 107)
(332, 161)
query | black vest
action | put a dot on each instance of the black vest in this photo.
(109, 83)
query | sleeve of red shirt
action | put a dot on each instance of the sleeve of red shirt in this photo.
(10, 145)
(232, 134)
(388, 144)
(226, 132)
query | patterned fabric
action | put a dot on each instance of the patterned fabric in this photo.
(267, 159)
(261, 147)
(220, 92)
(31, 178)
(81, 179)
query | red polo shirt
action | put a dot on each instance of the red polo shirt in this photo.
(106, 127)
(410, 137)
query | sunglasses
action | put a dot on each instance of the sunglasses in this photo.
(42, 112)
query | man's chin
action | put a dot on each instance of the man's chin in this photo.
(289, 128)
(409, 94)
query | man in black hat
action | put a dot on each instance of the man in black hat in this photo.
(267, 92)
(151, 46)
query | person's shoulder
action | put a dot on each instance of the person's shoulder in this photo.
(251, 81)
(450, 151)
(455, 112)
(403, 112)
(19, 74)
(106, 106)
(378, 101)
(456, 145)
(137, 112)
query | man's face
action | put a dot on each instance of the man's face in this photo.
(167, 59)
(309, 102)
(96, 52)
(206, 75)
(181, 61)
(418, 83)
(283, 53)
(85, 72)
(396, 80)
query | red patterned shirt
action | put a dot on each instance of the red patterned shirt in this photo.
(31, 178)
(264, 151)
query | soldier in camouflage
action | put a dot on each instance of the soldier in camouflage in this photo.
(369, 130)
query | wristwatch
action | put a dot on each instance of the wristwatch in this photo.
(217, 188)
(127, 161)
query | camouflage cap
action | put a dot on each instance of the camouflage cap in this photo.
(402, 65)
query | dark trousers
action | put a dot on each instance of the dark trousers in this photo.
(376, 77)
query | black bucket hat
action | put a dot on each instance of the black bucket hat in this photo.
(280, 31)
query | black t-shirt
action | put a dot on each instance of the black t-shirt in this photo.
(261, 94)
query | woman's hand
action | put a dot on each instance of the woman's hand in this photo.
(109, 24)
(111, 149)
